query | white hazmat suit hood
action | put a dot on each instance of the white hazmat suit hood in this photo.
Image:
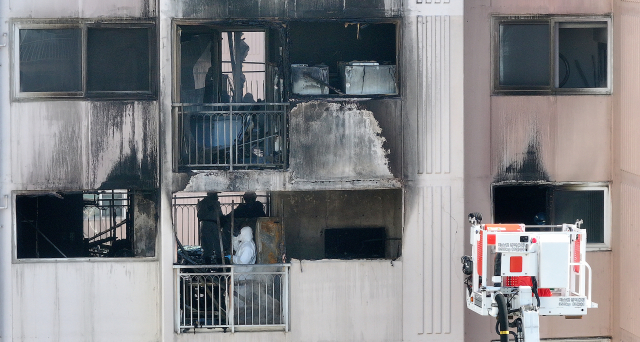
(245, 248)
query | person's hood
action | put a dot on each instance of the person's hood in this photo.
(246, 234)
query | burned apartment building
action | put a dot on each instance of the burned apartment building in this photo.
(344, 117)
(367, 130)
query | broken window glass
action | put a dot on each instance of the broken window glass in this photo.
(243, 66)
(106, 223)
(50, 60)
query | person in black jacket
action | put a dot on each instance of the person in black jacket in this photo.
(211, 219)
(246, 214)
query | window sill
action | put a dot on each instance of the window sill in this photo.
(545, 92)
(598, 247)
(78, 260)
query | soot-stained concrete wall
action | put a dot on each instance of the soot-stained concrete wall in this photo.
(306, 214)
(288, 8)
(145, 218)
(82, 8)
(343, 140)
(67, 145)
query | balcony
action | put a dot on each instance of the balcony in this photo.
(232, 297)
(230, 136)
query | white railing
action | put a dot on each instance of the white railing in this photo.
(230, 135)
(232, 297)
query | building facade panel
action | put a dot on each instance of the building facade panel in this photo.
(82, 301)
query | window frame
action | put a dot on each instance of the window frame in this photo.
(597, 186)
(35, 193)
(83, 26)
(553, 23)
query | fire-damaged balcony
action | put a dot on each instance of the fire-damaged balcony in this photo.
(219, 289)
(232, 297)
(231, 135)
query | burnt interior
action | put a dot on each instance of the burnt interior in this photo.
(311, 225)
(330, 42)
(109, 223)
(550, 204)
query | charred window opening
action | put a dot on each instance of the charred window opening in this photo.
(557, 54)
(311, 225)
(229, 64)
(343, 58)
(204, 224)
(230, 113)
(105, 223)
(354, 243)
(341, 224)
(551, 204)
(110, 60)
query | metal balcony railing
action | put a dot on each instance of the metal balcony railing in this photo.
(185, 213)
(230, 135)
(232, 297)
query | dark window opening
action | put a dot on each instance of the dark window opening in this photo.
(354, 243)
(229, 65)
(551, 205)
(341, 224)
(110, 223)
(343, 58)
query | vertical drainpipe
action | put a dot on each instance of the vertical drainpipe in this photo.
(6, 248)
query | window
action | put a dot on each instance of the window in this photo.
(85, 59)
(229, 64)
(105, 223)
(553, 55)
(553, 204)
(343, 58)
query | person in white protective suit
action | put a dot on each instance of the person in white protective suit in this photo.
(244, 247)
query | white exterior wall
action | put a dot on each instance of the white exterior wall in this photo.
(433, 158)
(334, 300)
(85, 301)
